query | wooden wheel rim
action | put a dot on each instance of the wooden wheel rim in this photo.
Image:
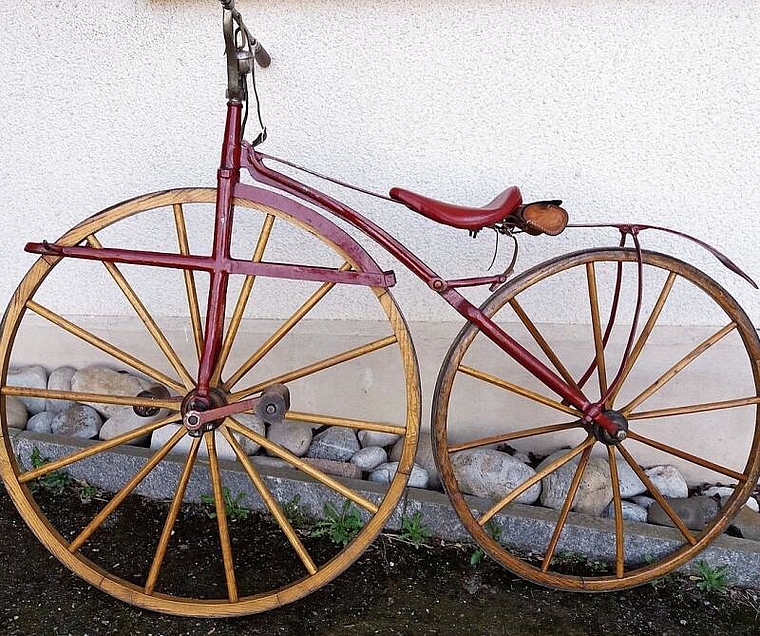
(441, 405)
(129, 592)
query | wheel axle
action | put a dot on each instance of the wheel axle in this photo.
(192, 407)
(607, 438)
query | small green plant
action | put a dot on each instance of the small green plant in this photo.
(340, 526)
(56, 480)
(710, 579)
(570, 562)
(494, 532)
(569, 557)
(661, 581)
(87, 492)
(414, 531)
(232, 507)
(293, 512)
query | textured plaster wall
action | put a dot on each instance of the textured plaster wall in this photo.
(637, 110)
(642, 110)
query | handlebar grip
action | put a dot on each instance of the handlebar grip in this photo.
(263, 59)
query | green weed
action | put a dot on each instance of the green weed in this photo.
(570, 562)
(710, 579)
(87, 492)
(494, 532)
(295, 515)
(232, 507)
(341, 527)
(56, 480)
(414, 531)
(661, 581)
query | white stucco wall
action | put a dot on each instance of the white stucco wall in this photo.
(638, 110)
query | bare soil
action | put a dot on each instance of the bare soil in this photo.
(395, 588)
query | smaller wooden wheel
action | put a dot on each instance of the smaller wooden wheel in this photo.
(689, 399)
(180, 560)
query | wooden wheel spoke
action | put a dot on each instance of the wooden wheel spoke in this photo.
(695, 408)
(644, 335)
(189, 276)
(95, 449)
(326, 363)
(282, 330)
(303, 466)
(506, 437)
(655, 492)
(566, 507)
(145, 316)
(104, 346)
(513, 388)
(96, 398)
(534, 479)
(331, 420)
(617, 503)
(677, 368)
(597, 326)
(119, 497)
(271, 503)
(171, 517)
(541, 342)
(221, 517)
(242, 301)
(694, 459)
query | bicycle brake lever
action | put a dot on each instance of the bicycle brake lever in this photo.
(260, 138)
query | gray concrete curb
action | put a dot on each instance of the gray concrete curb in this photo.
(523, 526)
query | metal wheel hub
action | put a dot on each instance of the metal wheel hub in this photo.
(193, 405)
(606, 438)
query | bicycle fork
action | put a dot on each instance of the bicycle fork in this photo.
(204, 397)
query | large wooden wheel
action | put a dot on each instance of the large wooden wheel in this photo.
(668, 383)
(337, 375)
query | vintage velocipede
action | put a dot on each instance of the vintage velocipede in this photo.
(528, 386)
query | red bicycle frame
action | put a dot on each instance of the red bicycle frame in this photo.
(237, 155)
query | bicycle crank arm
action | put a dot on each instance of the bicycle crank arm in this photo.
(270, 406)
